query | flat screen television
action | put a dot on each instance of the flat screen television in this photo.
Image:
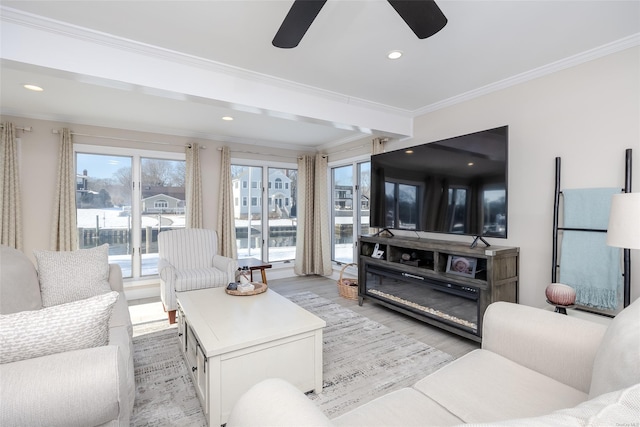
(456, 186)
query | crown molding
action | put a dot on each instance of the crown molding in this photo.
(571, 61)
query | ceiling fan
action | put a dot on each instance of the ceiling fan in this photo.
(424, 17)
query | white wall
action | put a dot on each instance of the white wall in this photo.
(587, 115)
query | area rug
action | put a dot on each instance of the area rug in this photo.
(362, 359)
(165, 394)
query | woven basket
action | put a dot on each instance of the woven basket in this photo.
(347, 288)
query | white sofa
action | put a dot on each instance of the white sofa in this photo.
(189, 260)
(81, 387)
(535, 368)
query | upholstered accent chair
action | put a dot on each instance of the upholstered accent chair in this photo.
(189, 260)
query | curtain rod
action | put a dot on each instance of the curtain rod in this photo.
(115, 138)
(24, 129)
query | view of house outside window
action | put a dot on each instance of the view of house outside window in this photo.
(281, 194)
(253, 201)
(110, 209)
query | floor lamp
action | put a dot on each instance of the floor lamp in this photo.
(624, 231)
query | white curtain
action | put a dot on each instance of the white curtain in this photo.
(64, 231)
(226, 221)
(10, 201)
(377, 145)
(193, 187)
(313, 254)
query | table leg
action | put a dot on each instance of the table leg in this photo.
(264, 276)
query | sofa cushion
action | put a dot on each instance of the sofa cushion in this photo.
(617, 408)
(65, 327)
(403, 408)
(617, 361)
(120, 315)
(67, 276)
(19, 287)
(483, 387)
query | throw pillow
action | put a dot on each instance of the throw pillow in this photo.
(68, 276)
(19, 287)
(65, 327)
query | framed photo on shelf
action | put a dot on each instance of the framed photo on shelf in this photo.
(462, 266)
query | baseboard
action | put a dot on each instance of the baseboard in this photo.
(151, 289)
(142, 291)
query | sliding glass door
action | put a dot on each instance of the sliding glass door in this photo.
(125, 198)
(350, 214)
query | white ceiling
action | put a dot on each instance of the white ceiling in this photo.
(336, 86)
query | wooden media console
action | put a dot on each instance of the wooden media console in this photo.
(445, 284)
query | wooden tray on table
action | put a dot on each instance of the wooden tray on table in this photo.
(258, 289)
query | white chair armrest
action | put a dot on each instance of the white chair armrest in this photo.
(167, 274)
(166, 270)
(561, 347)
(226, 264)
(81, 387)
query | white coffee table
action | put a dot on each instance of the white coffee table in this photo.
(232, 342)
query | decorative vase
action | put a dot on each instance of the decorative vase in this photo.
(560, 294)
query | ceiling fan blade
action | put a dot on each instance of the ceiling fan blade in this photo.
(424, 17)
(297, 22)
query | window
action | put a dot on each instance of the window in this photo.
(248, 219)
(111, 209)
(276, 203)
(350, 215)
(282, 214)
(161, 204)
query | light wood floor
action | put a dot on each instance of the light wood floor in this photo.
(151, 309)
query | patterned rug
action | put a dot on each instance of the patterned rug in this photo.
(362, 360)
(165, 394)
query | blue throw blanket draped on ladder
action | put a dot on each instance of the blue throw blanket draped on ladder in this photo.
(586, 262)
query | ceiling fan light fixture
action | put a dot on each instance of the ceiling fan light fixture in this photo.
(394, 54)
(424, 17)
(297, 22)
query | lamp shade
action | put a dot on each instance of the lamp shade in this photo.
(624, 221)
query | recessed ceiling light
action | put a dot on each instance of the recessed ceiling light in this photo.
(33, 88)
(470, 164)
(227, 118)
(394, 54)
(409, 151)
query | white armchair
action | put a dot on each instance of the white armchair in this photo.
(189, 260)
